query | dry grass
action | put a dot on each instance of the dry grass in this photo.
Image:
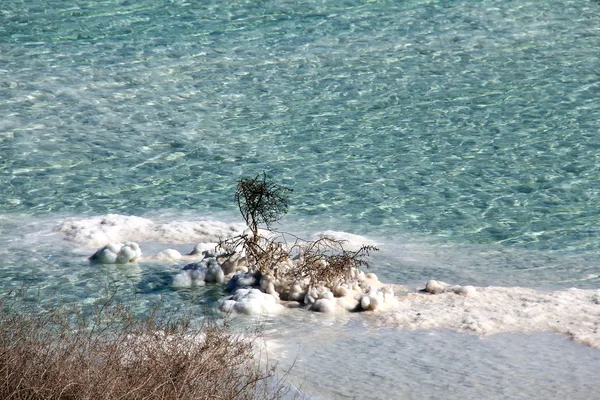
(110, 355)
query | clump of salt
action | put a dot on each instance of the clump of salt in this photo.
(251, 302)
(437, 287)
(117, 253)
(198, 274)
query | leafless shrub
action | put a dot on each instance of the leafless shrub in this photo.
(112, 355)
(261, 201)
(326, 262)
(263, 254)
(322, 262)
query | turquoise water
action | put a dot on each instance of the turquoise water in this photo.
(476, 121)
(462, 136)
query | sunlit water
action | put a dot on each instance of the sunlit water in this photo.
(461, 136)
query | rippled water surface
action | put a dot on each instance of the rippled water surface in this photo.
(462, 136)
(476, 121)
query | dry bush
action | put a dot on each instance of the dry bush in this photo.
(111, 355)
(261, 201)
(321, 262)
(326, 262)
(263, 254)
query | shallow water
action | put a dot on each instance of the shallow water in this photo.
(461, 137)
(355, 363)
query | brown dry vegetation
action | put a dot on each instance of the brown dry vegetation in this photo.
(111, 355)
(326, 262)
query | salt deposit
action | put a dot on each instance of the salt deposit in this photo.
(243, 280)
(204, 249)
(168, 255)
(251, 302)
(198, 274)
(377, 298)
(436, 287)
(114, 228)
(117, 253)
(491, 310)
(484, 311)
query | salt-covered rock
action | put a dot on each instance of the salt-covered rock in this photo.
(365, 302)
(214, 273)
(295, 292)
(251, 302)
(377, 297)
(243, 280)
(437, 287)
(311, 296)
(233, 263)
(191, 275)
(324, 305)
(184, 279)
(465, 290)
(117, 253)
(198, 274)
(342, 290)
(350, 302)
(204, 249)
(168, 255)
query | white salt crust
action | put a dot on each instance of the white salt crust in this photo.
(114, 228)
(491, 310)
(198, 274)
(251, 302)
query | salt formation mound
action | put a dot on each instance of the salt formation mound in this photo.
(114, 228)
(435, 287)
(168, 255)
(363, 293)
(243, 280)
(117, 253)
(198, 274)
(357, 293)
(251, 302)
(354, 291)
